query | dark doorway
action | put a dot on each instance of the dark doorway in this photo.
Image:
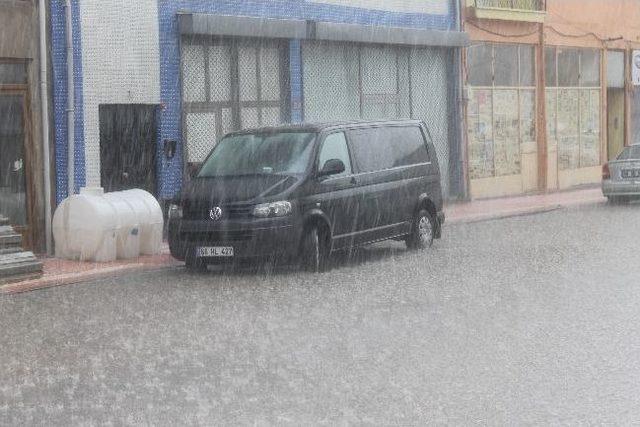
(128, 135)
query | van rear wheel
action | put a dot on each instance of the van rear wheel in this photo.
(315, 250)
(423, 231)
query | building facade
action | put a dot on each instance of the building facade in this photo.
(549, 92)
(157, 82)
(21, 156)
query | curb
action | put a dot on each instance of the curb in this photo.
(471, 219)
(74, 278)
(505, 215)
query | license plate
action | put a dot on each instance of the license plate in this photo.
(214, 251)
(630, 173)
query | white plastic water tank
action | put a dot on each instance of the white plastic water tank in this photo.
(127, 226)
(93, 226)
(84, 228)
(150, 220)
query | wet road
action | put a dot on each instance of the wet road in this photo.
(527, 320)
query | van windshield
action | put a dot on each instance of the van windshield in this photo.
(286, 153)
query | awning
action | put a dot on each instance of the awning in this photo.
(242, 26)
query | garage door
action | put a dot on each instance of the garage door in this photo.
(349, 81)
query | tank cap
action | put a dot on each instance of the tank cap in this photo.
(92, 191)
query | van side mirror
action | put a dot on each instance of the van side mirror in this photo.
(332, 167)
(193, 169)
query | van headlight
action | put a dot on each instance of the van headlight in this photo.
(175, 211)
(272, 210)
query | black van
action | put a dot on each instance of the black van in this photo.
(307, 190)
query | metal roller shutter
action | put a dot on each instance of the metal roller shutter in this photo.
(345, 81)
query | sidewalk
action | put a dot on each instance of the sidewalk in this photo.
(61, 272)
(483, 210)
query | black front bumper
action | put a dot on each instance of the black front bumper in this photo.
(277, 237)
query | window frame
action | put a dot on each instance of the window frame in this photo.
(520, 89)
(235, 105)
(556, 88)
(518, 46)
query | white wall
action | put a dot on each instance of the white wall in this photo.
(120, 60)
(435, 7)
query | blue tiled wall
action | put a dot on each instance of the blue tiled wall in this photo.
(59, 55)
(171, 174)
(170, 171)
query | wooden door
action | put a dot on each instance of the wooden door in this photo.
(16, 186)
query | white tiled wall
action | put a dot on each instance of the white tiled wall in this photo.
(434, 7)
(120, 60)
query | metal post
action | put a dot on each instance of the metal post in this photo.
(541, 124)
(70, 103)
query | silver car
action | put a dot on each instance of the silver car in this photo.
(621, 177)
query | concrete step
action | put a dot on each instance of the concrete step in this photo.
(17, 266)
(10, 250)
(9, 238)
(19, 278)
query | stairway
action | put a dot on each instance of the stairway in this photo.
(15, 264)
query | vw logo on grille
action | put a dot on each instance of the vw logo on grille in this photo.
(216, 213)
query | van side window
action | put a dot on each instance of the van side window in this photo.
(385, 148)
(409, 146)
(335, 147)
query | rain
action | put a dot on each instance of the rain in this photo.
(319, 212)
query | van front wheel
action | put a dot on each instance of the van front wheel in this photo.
(194, 264)
(422, 231)
(315, 250)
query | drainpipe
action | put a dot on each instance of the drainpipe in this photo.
(44, 102)
(462, 100)
(71, 112)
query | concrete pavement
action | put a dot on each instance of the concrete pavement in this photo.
(528, 320)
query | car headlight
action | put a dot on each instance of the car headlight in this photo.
(271, 210)
(175, 211)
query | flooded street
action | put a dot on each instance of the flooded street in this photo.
(517, 321)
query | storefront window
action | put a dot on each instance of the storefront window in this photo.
(568, 67)
(501, 114)
(527, 68)
(590, 68)
(573, 109)
(480, 122)
(635, 115)
(480, 62)
(505, 65)
(550, 67)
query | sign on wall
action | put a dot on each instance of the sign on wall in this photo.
(635, 68)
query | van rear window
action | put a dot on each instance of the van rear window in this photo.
(385, 148)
